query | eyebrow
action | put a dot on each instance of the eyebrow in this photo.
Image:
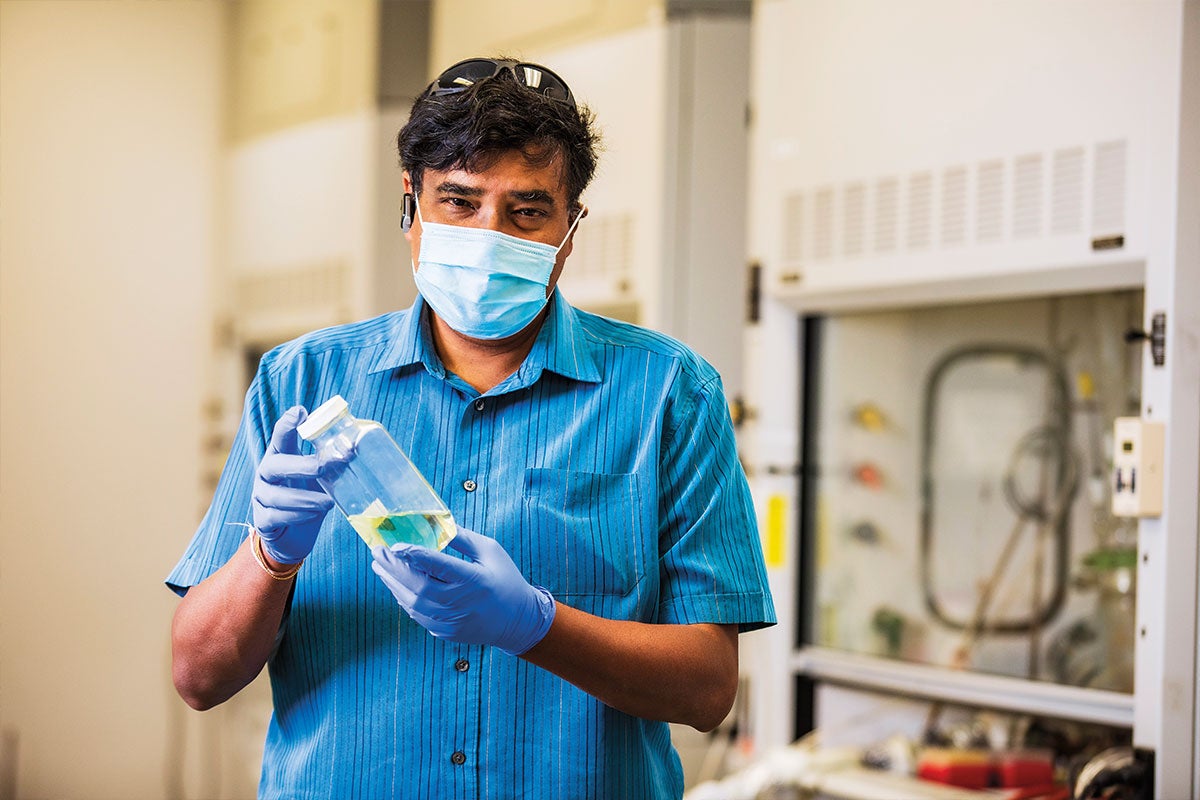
(534, 196)
(450, 187)
(528, 196)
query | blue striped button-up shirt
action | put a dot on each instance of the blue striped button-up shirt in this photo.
(605, 466)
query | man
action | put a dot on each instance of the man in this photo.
(607, 553)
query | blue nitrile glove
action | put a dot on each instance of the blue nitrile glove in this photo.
(485, 600)
(288, 504)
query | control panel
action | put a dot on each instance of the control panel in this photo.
(1137, 467)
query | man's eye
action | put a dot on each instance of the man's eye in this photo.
(456, 204)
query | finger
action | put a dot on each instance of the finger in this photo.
(438, 566)
(280, 467)
(432, 625)
(417, 580)
(412, 589)
(436, 590)
(271, 519)
(400, 550)
(471, 544)
(439, 590)
(284, 438)
(331, 466)
(384, 556)
(285, 498)
(404, 596)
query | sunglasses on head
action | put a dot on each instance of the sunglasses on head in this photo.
(465, 74)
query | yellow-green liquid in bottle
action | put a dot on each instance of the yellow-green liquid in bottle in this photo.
(432, 529)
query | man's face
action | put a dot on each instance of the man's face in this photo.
(511, 196)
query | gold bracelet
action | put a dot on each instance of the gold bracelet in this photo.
(256, 549)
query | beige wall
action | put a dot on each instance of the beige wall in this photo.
(464, 28)
(294, 61)
(110, 115)
(121, 151)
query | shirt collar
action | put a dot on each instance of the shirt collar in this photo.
(561, 347)
(410, 342)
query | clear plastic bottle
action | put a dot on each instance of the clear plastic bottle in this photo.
(384, 497)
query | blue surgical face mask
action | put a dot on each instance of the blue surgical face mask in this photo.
(483, 283)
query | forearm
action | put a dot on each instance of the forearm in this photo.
(224, 630)
(675, 673)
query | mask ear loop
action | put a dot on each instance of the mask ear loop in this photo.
(416, 201)
(582, 213)
(411, 201)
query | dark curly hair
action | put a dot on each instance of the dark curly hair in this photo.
(471, 129)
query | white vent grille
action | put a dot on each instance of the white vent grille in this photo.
(920, 210)
(1108, 190)
(887, 214)
(989, 202)
(1027, 197)
(1066, 194)
(313, 287)
(954, 206)
(995, 200)
(603, 246)
(855, 220)
(823, 224)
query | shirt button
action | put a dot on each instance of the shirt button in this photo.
(458, 757)
(469, 485)
(479, 405)
(462, 665)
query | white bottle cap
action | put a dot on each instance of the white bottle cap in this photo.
(320, 419)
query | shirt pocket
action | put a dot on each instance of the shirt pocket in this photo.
(584, 533)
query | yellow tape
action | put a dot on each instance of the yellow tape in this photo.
(774, 547)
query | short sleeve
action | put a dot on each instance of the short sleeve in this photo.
(711, 561)
(226, 522)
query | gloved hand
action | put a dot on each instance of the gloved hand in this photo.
(485, 600)
(288, 504)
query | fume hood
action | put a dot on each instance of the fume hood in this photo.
(977, 229)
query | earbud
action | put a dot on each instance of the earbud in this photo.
(406, 211)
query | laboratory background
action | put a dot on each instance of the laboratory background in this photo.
(944, 254)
